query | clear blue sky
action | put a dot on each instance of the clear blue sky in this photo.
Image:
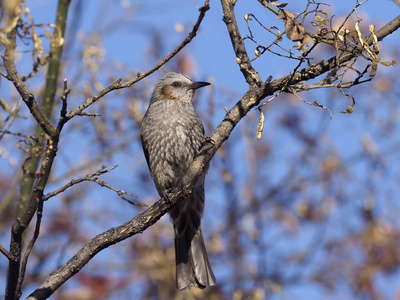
(212, 57)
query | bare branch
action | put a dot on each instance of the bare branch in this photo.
(242, 57)
(78, 111)
(11, 117)
(27, 96)
(83, 114)
(93, 177)
(5, 252)
(21, 223)
(250, 99)
(324, 66)
(315, 103)
(260, 49)
(120, 193)
(73, 182)
(29, 249)
(119, 85)
(319, 85)
(64, 97)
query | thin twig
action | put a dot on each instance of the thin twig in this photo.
(120, 193)
(319, 85)
(28, 137)
(315, 103)
(13, 115)
(93, 177)
(267, 6)
(83, 114)
(278, 38)
(5, 252)
(270, 99)
(73, 182)
(28, 251)
(64, 97)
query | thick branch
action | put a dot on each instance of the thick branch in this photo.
(141, 222)
(31, 197)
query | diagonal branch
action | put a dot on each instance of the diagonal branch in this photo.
(31, 194)
(5, 252)
(27, 96)
(119, 85)
(242, 58)
(141, 222)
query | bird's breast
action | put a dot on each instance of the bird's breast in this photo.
(172, 135)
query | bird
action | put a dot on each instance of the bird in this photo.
(172, 135)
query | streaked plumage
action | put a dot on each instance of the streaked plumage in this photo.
(172, 134)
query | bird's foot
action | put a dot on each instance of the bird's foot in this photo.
(167, 195)
(207, 140)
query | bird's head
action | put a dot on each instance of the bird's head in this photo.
(176, 87)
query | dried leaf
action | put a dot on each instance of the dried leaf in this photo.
(37, 42)
(13, 9)
(376, 48)
(322, 32)
(4, 105)
(374, 68)
(280, 5)
(360, 37)
(294, 31)
(260, 126)
(322, 21)
(56, 39)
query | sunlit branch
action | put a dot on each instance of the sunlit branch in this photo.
(242, 58)
(141, 222)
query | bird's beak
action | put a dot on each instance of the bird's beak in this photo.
(199, 84)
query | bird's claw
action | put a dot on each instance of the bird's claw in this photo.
(167, 195)
(208, 140)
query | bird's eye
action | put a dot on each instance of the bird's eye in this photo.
(176, 84)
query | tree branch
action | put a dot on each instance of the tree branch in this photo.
(39, 214)
(119, 85)
(141, 222)
(242, 58)
(93, 177)
(31, 194)
(27, 96)
(5, 252)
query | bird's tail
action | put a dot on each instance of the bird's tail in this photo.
(192, 265)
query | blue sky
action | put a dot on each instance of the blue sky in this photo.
(126, 30)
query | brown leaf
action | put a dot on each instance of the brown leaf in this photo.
(294, 31)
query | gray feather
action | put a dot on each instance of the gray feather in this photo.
(172, 135)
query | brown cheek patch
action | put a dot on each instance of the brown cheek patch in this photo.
(166, 92)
